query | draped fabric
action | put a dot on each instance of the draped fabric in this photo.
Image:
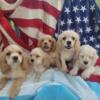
(82, 16)
(30, 20)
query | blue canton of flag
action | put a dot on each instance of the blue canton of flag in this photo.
(82, 16)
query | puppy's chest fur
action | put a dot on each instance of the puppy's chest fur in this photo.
(35, 73)
(15, 72)
(67, 54)
(52, 57)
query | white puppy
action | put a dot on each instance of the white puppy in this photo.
(68, 46)
(86, 61)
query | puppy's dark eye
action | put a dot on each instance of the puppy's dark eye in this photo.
(20, 52)
(8, 53)
(73, 38)
(50, 41)
(37, 56)
(64, 38)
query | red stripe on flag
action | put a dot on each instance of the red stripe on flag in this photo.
(35, 4)
(37, 23)
(5, 24)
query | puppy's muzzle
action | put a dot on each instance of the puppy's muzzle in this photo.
(15, 58)
(68, 45)
(85, 62)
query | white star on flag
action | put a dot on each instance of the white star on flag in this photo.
(62, 23)
(97, 46)
(88, 29)
(92, 8)
(78, 19)
(69, 21)
(85, 19)
(84, 40)
(67, 10)
(80, 30)
(83, 8)
(92, 39)
(75, 9)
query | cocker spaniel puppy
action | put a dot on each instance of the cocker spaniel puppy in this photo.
(39, 62)
(48, 44)
(68, 46)
(13, 66)
(86, 61)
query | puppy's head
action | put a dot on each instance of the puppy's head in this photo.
(12, 56)
(68, 40)
(47, 43)
(38, 59)
(87, 56)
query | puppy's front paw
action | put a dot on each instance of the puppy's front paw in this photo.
(64, 69)
(73, 72)
(13, 93)
(2, 83)
(85, 75)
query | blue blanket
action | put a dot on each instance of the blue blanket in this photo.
(56, 85)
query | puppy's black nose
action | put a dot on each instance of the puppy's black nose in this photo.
(15, 58)
(85, 62)
(69, 42)
(45, 43)
(32, 60)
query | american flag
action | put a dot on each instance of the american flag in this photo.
(30, 19)
(83, 16)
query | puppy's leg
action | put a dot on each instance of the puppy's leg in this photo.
(74, 71)
(3, 82)
(64, 66)
(15, 88)
(87, 72)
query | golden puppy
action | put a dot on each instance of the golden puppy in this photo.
(86, 61)
(39, 61)
(68, 46)
(48, 45)
(13, 66)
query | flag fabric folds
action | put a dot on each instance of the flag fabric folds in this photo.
(83, 16)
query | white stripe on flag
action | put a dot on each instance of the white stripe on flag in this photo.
(6, 6)
(26, 13)
(55, 3)
(32, 32)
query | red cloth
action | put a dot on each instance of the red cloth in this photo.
(95, 78)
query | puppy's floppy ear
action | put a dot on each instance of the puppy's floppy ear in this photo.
(39, 42)
(25, 62)
(3, 64)
(53, 44)
(46, 62)
(77, 48)
(59, 45)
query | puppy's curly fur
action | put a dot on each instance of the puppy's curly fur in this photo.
(39, 61)
(86, 61)
(68, 46)
(48, 44)
(13, 65)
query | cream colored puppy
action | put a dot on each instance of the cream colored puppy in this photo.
(68, 46)
(86, 61)
(13, 65)
(39, 62)
(48, 44)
